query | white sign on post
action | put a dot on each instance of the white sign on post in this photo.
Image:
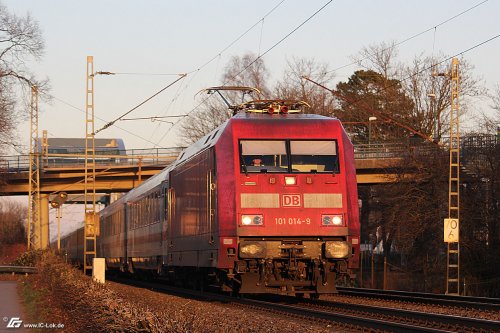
(451, 227)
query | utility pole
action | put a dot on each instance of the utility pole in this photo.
(34, 218)
(57, 202)
(91, 222)
(451, 224)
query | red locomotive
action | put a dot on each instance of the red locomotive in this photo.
(265, 203)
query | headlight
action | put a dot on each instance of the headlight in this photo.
(335, 220)
(252, 220)
(337, 249)
(252, 249)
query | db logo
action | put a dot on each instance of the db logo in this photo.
(290, 200)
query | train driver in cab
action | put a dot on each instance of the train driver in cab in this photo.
(257, 162)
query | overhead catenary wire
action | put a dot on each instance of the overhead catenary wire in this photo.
(193, 71)
(281, 40)
(172, 102)
(351, 103)
(261, 21)
(105, 121)
(413, 36)
(111, 123)
(259, 57)
(238, 38)
(146, 74)
(183, 75)
(153, 117)
(218, 56)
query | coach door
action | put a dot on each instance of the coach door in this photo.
(211, 196)
(164, 213)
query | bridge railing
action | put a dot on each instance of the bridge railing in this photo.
(14, 163)
(153, 156)
(379, 150)
(415, 146)
(164, 156)
(391, 150)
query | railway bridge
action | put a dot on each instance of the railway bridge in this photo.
(376, 163)
(65, 172)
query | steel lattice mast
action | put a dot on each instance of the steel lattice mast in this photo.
(34, 220)
(90, 222)
(452, 229)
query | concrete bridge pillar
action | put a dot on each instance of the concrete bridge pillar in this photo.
(44, 221)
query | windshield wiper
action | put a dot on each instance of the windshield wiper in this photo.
(242, 162)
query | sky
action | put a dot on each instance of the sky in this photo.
(146, 39)
(173, 37)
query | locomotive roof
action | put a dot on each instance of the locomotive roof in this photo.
(149, 184)
(211, 138)
(205, 142)
(276, 117)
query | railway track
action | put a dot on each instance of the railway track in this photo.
(480, 303)
(351, 317)
(406, 319)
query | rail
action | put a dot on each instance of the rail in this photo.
(469, 302)
(350, 316)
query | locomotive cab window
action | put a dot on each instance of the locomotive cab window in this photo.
(313, 156)
(263, 156)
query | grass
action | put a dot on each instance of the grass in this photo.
(34, 301)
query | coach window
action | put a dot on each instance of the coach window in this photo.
(314, 156)
(263, 156)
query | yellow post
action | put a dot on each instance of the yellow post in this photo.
(44, 221)
(59, 228)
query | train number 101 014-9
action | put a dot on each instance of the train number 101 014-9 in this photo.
(292, 220)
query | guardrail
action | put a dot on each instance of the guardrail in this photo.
(18, 269)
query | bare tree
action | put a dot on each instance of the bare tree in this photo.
(202, 122)
(430, 93)
(248, 71)
(12, 219)
(380, 58)
(490, 122)
(293, 86)
(20, 40)
(430, 89)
